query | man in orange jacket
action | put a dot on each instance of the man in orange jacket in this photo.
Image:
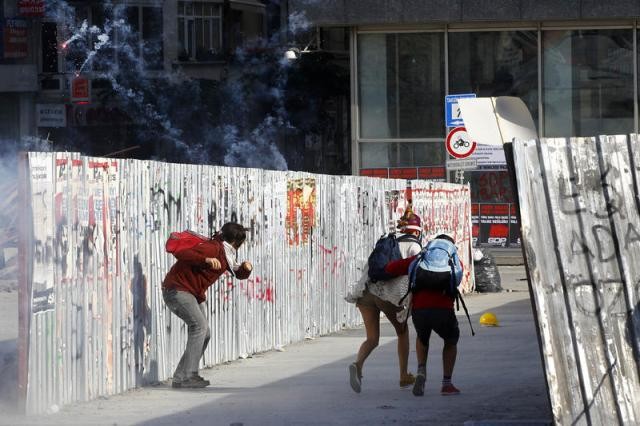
(184, 292)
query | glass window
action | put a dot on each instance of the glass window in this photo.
(199, 34)
(489, 186)
(401, 85)
(49, 40)
(152, 37)
(495, 63)
(587, 85)
(401, 154)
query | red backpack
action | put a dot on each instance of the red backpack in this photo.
(179, 241)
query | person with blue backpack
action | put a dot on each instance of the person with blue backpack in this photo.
(433, 279)
(381, 292)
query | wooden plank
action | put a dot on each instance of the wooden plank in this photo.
(589, 215)
(549, 290)
(622, 240)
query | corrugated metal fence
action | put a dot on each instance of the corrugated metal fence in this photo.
(580, 211)
(93, 319)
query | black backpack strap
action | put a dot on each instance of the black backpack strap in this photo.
(459, 297)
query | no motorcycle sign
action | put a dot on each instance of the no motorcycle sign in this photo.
(459, 143)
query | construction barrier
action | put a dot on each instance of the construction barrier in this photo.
(92, 318)
(580, 212)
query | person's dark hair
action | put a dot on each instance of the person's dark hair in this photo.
(445, 237)
(233, 233)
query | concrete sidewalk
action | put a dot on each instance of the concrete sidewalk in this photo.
(498, 371)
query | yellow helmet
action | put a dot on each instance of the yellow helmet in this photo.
(489, 319)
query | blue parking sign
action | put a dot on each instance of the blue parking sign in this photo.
(452, 115)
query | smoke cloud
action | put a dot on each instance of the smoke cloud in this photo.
(238, 121)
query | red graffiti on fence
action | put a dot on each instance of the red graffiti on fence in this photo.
(258, 288)
(333, 259)
(254, 288)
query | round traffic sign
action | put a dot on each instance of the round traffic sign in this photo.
(459, 143)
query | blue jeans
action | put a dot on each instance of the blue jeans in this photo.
(186, 307)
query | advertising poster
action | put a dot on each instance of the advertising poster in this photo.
(494, 226)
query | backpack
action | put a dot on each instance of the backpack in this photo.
(179, 241)
(438, 268)
(386, 250)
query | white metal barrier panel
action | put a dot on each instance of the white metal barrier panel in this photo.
(446, 209)
(581, 233)
(93, 321)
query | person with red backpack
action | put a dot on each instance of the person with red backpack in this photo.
(383, 294)
(201, 262)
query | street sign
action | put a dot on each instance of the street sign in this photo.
(80, 90)
(459, 143)
(51, 115)
(452, 114)
(464, 164)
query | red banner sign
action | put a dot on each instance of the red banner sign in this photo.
(31, 8)
(15, 39)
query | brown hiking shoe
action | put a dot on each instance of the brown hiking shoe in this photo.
(407, 380)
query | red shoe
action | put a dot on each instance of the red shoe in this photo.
(449, 390)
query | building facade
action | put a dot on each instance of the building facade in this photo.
(18, 72)
(574, 63)
(152, 40)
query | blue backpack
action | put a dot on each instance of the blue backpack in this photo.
(436, 268)
(385, 251)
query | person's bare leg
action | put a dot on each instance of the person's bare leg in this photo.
(449, 354)
(402, 331)
(421, 378)
(371, 318)
(403, 352)
(421, 352)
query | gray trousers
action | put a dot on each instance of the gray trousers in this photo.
(185, 306)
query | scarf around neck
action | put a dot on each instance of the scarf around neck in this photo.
(232, 257)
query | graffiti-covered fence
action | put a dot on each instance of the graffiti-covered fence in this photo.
(92, 318)
(581, 233)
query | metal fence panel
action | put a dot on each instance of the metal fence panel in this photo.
(446, 209)
(97, 323)
(580, 214)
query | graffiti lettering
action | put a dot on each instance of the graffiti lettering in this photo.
(567, 197)
(333, 260)
(168, 200)
(631, 236)
(604, 242)
(568, 200)
(593, 297)
(258, 288)
(578, 246)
